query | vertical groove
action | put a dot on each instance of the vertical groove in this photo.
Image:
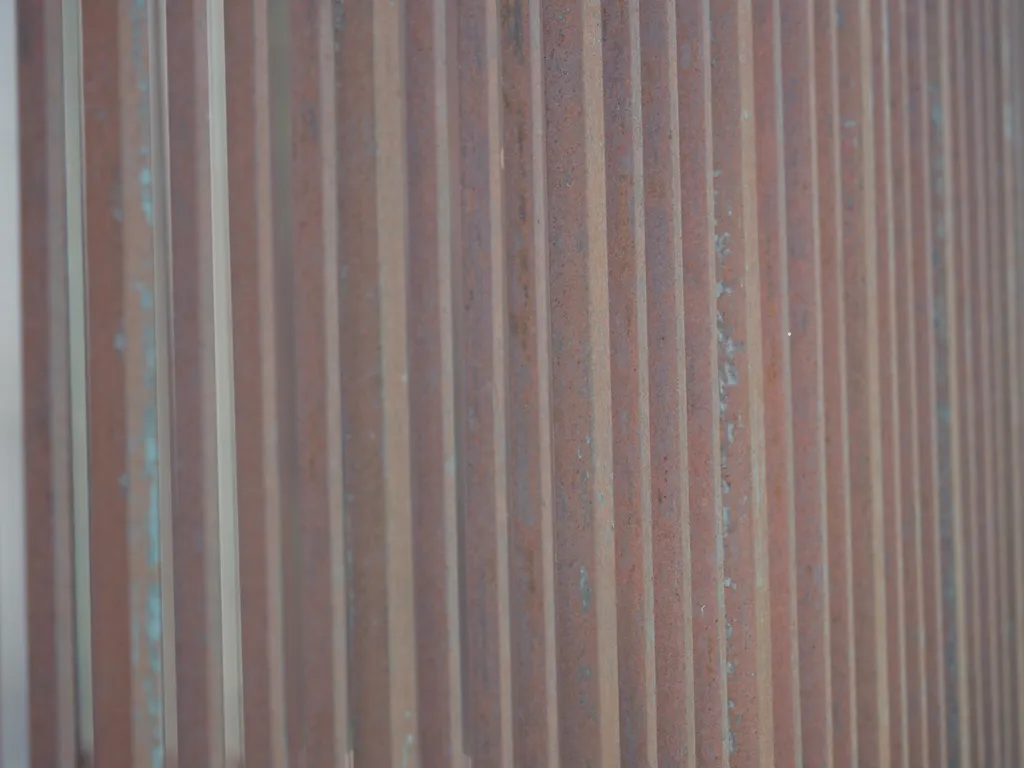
(125, 388)
(597, 309)
(904, 238)
(773, 247)
(1000, 374)
(701, 505)
(976, 382)
(967, 580)
(483, 403)
(945, 321)
(1012, 84)
(931, 317)
(50, 252)
(664, 367)
(197, 617)
(499, 374)
(471, 382)
(342, 749)
(1004, 24)
(544, 384)
(392, 227)
(916, 314)
(625, 215)
(432, 408)
(312, 533)
(989, 588)
(531, 595)
(740, 389)
(844, 713)
(952, 474)
(799, 72)
(859, 287)
(255, 362)
(884, 42)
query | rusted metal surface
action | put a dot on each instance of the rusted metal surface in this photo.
(453, 382)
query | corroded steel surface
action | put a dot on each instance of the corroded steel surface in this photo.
(548, 382)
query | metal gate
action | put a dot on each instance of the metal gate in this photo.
(523, 382)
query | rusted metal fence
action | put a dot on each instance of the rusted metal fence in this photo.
(533, 382)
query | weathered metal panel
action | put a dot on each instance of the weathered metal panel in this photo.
(450, 382)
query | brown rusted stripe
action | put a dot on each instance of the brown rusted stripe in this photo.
(703, 465)
(673, 641)
(1010, 31)
(844, 721)
(481, 324)
(316, 689)
(122, 260)
(197, 615)
(885, 46)
(984, 190)
(951, 410)
(740, 389)
(918, 325)
(580, 410)
(45, 345)
(616, 383)
(922, 95)
(966, 534)
(942, 232)
(392, 223)
(626, 194)
(775, 334)
(799, 68)
(859, 277)
(1005, 279)
(986, 586)
(432, 405)
(1001, 373)
(247, 57)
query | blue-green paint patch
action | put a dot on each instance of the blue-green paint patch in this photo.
(146, 191)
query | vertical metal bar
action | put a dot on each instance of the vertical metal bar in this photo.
(950, 381)
(904, 513)
(917, 321)
(799, 115)
(844, 714)
(860, 321)
(1005, 280)
(667, 338)
(886, 44)
(580, 401)
(316, 681)
(968, 648)
(701, 426)
(740, 388)
(984, 330)
(775, 334)
(482, 328)
(1011, 31)
(430, 104)
(255, 361)
(626, 219)
(197, 615)
(941, 233)
(45, 351)
(392, 226)
(124, 264)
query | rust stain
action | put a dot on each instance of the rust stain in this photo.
(614, 383)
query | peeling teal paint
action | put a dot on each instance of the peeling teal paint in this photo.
(146, 188)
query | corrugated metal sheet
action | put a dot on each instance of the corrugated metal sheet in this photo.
(449, 382)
